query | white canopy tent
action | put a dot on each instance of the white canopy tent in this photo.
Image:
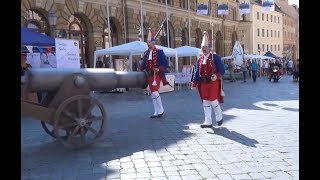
(133, 48)
(249, 56)
(185, 51)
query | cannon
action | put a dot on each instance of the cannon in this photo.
(68, 112)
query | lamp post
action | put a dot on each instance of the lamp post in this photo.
(52, 23)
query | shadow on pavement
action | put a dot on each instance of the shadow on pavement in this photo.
(235, 136)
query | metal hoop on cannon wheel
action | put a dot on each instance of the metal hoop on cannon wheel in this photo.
(83, 118)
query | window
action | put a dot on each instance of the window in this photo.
(262, 32)
(278, 33)
(275, 47)
(271, 47)
(259, 47)
(267, 47)
(271, 18)
(37, 21)
(78, 31)
(271, 33)
(164, 1)
(258, 15)
(267, 17)
(262, 16)
(278, 47)
(262, 47)
(183, 4)
(275, 33)
(258, 32)
(267, 33)
(278, 19)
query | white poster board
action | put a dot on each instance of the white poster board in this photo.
(33, 59)
(67, 53)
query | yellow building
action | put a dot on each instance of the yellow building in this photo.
(290, 29)
(267, 31)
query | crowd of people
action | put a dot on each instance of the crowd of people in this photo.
(253, 68)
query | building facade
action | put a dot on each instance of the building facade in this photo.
(290, 29)
(86, 20)
(267, 30)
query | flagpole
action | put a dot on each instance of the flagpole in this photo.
(189, 29)
(167, 24)
(109, 34)
(124, 21)
(141, 19)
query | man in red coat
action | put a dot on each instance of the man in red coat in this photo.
(155, 63)
(208, 80)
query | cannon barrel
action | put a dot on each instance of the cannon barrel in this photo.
(45, 79)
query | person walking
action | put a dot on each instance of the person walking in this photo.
(231, 70)
(208, 80)
(155, 64)
(244, 69)
(254, 68)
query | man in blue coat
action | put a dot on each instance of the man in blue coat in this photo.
(155, 64)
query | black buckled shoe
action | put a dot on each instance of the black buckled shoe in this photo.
(219, 123)
(205, 126)
(159, 115)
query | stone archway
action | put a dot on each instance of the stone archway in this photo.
(184, 41)
(37, 19)
(80, 28)
(198, 37)
(116, 32)
(163, 35)
(219, 43)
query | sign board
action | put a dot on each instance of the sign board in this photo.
(67, 53)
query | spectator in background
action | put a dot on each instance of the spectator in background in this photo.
(244, 69)
(231, 70)
(254, 68)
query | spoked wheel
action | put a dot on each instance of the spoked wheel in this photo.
(83, 118)
(48, 128)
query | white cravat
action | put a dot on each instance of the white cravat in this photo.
(205, 58)
(150, 55)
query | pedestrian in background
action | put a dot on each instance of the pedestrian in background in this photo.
(254, 68)
(244, 69)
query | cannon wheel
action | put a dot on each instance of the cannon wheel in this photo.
(84, 127)
(50, 132)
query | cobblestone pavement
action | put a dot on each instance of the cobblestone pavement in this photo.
(258, 140)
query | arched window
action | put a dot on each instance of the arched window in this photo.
(164, 38)
(37, 21)
(78, 31)
(198, 38)
(219, 44)
(184, 41)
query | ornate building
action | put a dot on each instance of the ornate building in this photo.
(86, 20)
(290, 29)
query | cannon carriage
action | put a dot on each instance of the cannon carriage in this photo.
(68, 112)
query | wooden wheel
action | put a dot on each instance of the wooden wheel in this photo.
(83, 118)
(48, 128)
